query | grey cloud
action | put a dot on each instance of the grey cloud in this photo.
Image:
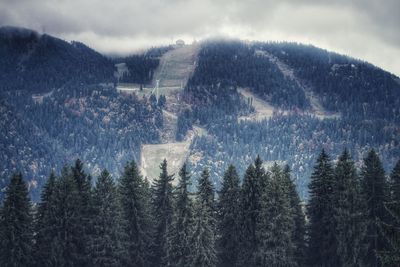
(367, 29)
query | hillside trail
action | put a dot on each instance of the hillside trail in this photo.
(262, 109)
(175, 68)
(317, 108)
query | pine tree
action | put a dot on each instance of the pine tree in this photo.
(162, 204)
(375, 191)
(299, 230)
(135, 217)
(105, 244)
(275, 224)
(203, 238)
(254, 183)
(16, 225)
(46, 223)
(391, 230)
(395, 183)
(65, 245)
(348, 213)
(322, 244)
(84, 212)
(228, 219)
(179, 251)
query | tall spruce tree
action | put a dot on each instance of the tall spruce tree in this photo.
(162, 204)
(179, 243)
(391, 229)
(203, 238)
(105, 244)
(348, 213)
(254, 184)
(84, 211)
(275, 223)
(229, 219)
(299, 228)
(395, 183)
(135, 217)
(375, 191)
(45, 226)
(322, 243)
(66, 244)
(16, 225)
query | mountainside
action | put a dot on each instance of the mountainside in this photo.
(39, 62)
(236, 100)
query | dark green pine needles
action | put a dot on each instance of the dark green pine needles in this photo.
(16, 233)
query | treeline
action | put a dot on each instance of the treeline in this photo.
(353, 218)
(294, 139)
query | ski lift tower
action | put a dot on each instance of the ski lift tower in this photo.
(157, 86)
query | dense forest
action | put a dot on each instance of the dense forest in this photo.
(40, 63)
(356, 90)
(353, 218)
(141, 67)
(98, 124)
(58, 101)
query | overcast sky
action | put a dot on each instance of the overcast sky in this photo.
(365, 29)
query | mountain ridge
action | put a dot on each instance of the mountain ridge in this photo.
(86, 116)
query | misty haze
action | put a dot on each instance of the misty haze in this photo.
(200, 133)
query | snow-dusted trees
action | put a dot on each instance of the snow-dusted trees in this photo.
(203, 236)
(353, 219)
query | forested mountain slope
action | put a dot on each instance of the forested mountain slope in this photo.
(58, 104)
(39, 62)
(94, 123)
(365, 97)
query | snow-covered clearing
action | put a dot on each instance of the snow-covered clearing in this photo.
(176, 153)
(176, 66)
(262, 109)
(174, 70)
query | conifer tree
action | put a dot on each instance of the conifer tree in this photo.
(162, 204)
(179, 245)
(254, 183)
(66, 243)
(322, 244)
(391, 230)
(275, 224)
(203, 238)
(105, 245)
(46, 223)
(229, 219)
(395, 183)
(16, 225)
(135, 217)
(348, 213)
(260, 173)
(299, 227)
(375, 191)
(84, 211)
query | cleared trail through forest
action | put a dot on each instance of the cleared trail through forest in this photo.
(174, 71)
(176, 66)
(316, 106)
(262, 109)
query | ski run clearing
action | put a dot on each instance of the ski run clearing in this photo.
(176, 66)
(176, 153)
(262, 110)
(174, 70)
(316, 107)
